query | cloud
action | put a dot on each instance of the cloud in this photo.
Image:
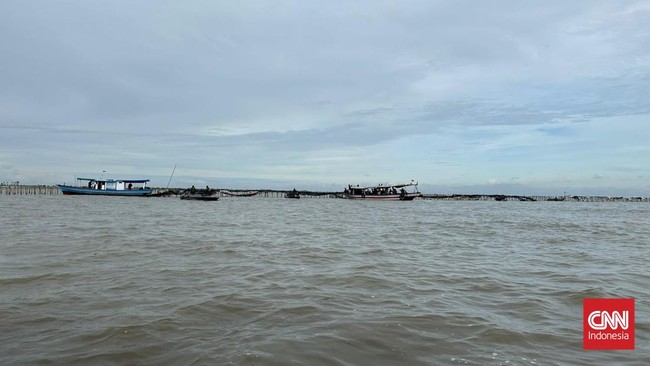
(306, 90)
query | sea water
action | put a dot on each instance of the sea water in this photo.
(274, 281)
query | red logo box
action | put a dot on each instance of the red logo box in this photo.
(608, 324)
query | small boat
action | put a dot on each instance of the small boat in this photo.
(385, 192)
(200, 194)
(292, 194)
(199, 197)
(108, 187)
(240, 194)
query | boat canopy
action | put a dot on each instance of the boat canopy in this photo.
(412, 183)
(115, 180)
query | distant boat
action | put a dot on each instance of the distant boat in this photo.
(199, 197)
(556, 199)
(292, 194)
(240, 194)
(200, 194)
(108, 187)
(385, 192)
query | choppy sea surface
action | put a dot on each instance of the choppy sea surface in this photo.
(274, 281)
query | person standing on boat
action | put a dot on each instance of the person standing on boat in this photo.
(192, 190)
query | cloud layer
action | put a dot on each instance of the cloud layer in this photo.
(550, 95)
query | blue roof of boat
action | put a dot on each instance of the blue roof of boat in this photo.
(385, 185)
(116, 180)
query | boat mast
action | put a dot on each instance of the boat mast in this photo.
(170, 177)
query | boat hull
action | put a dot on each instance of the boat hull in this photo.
(385, 197)
(70, 190)
(240, 194)
(198, 197)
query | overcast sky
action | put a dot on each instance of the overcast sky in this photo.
(486, 96)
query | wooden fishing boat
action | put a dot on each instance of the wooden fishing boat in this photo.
(240, 194)
(384, 192)
(292, 194)
(200, 194)
(199, 197)
(107, 187)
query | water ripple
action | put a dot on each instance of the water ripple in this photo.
(97, 280)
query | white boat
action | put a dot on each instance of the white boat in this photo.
(384, 192)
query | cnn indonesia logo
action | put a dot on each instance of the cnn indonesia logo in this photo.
(608, 324)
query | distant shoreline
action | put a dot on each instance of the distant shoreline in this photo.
(27, 190)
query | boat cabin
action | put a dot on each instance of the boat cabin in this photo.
(383, 191)
(378, 190)
(114, 185)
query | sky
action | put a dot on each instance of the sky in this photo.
(512, 97)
